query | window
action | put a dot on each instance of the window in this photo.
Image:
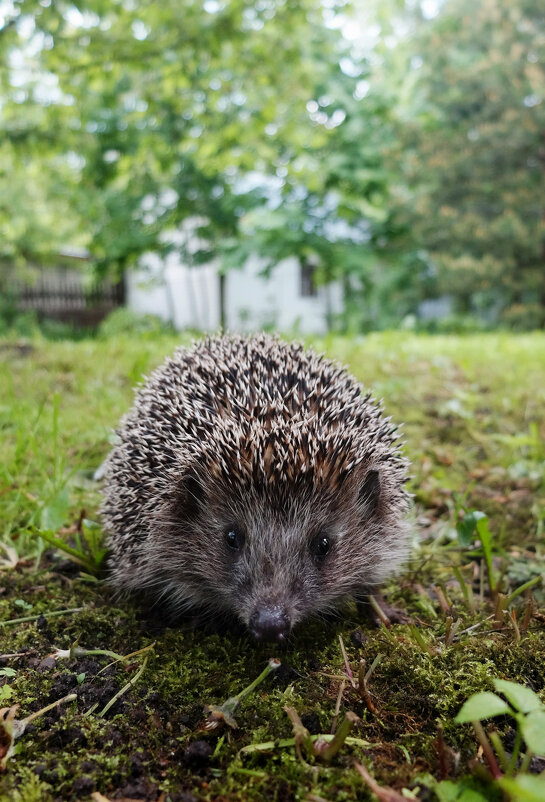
(308, 284)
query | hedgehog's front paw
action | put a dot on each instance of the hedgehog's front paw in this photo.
(377, 610)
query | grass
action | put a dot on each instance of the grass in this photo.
(474, 429)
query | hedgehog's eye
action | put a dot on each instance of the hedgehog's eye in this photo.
(234, 538)
(320, 547)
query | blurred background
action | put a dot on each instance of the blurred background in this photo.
(306, 166)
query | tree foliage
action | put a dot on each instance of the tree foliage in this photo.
(473, 156)
(398, 152)
(156, 109)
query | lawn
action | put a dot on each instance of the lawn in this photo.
(472, 409)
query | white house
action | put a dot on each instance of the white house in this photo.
(192, 297)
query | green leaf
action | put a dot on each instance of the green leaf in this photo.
(525, 788)
(481, 523)
(24, 605)
(89, 562)
(6, 692)
(480, 706)
(467, 527)
(477, 522)
(448, 791)
(522, 698)
(54, 514)
(533, 732)
(485, 536)
(468, 795)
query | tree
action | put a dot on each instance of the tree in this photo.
(140, 115)
(333, 205)
(473, 156)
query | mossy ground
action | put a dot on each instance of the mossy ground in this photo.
(474, 429)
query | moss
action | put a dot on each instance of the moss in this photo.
(30, 789)
(465, 431)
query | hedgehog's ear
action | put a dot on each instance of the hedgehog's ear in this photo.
(369, 494)
(191, 496)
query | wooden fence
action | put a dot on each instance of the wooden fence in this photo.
(62, 294)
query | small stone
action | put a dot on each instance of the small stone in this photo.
(358, 638)
(198, 753)
(41, 623)
(47, 663)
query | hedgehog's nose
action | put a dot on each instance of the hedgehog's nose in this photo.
(269, 623)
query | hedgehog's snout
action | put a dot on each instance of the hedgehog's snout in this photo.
(269, 623)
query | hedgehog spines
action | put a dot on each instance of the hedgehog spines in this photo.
(259, 430)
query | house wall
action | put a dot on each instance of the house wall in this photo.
(253, 301)
(187, 296)
(190, 296)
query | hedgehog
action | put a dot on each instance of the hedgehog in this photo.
(254, 479)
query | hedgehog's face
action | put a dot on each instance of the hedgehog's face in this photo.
(274, 559)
